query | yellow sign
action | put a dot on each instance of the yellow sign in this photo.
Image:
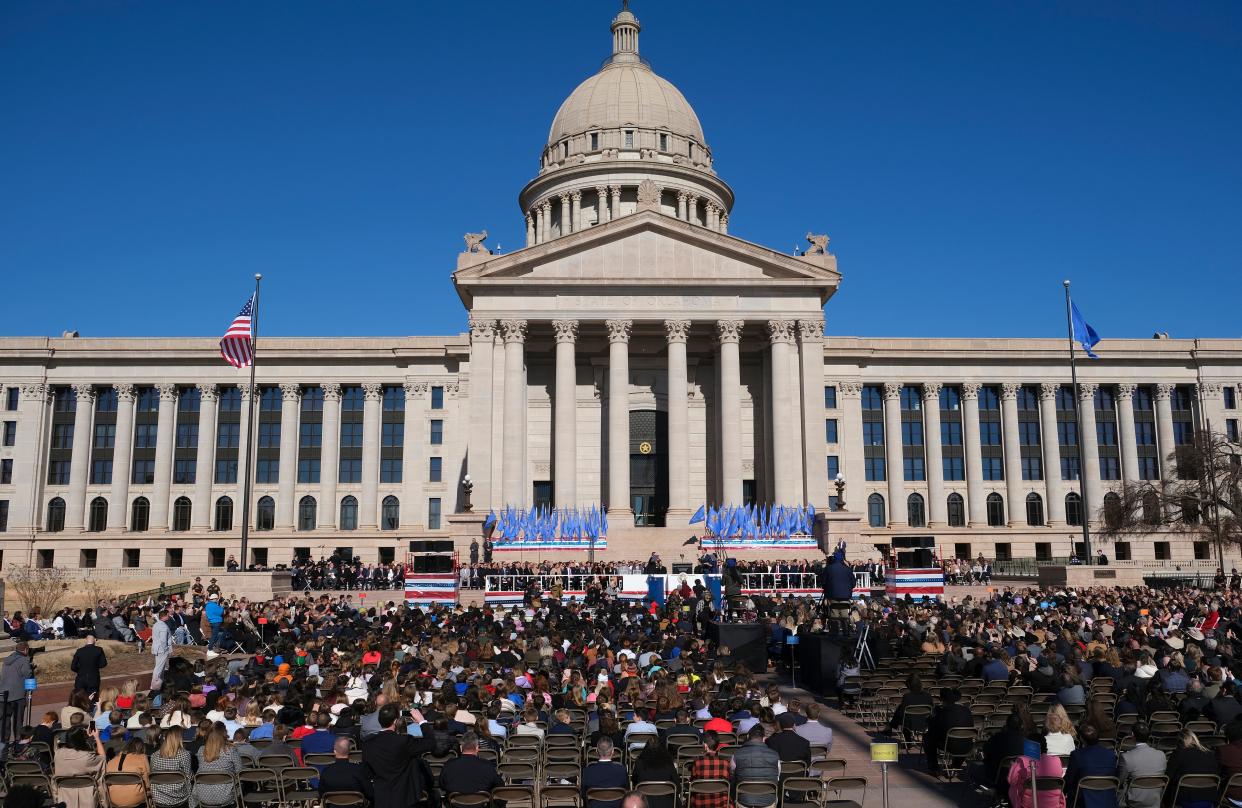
(644, 448)
(883, 753)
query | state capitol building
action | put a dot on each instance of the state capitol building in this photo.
(634, 355)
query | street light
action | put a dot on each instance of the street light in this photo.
(467, 488)
(840, 484)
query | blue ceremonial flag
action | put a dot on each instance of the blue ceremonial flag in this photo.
(1083, 332)
(698, 516)
(490, 520)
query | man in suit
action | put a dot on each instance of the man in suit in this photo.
(161, 647)
(469, 773)
(1229, 756)
(392, 760)
(789, 744)
(87, 662)
(681, 727)
(341, 775)
(1091, 760)
(604, 773)
(1225, 707)
(322, 740)
(949, 715)
(1141, 761)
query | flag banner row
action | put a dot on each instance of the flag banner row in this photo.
(427, 588)
(748, 527)
(517, 529)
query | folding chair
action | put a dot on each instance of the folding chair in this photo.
(1197, 782)
(1095, 783)
(707, 787)
(514, 773)
(344, 799)
(21, 767)
(557, 796)
(514, 796)
(958, 746)
(841, 789)
(125, 779)
(260, 786)
(74, 783)
(217, 779)
(561, 773)
(39, 782)
(763, 793)
(664, 792)
(275, 762)
(295, 785)
(168, 782)
(479, 799)
(801, 792)
(319, 760)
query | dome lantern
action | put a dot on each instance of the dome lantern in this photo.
(625, 30)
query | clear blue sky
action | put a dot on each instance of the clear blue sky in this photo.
(964, 157)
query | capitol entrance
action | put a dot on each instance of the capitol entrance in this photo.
(649, 467)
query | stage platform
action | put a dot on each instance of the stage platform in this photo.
(1081, 576)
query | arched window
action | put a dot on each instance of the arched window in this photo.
(1073, 508)
(1034, 509)
(957, 511)
(306, 513)
(140, 515)
(349, 514)
(1112, 510)
(875, 511)
(181, 514)
(56, 515)
(392, 514)
(224, 513)
(916, 512)
(98, 521)
(265, 514)
(1151, 508)
(996, 510)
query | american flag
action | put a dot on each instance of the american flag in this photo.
(236, 346)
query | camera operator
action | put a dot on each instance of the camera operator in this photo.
(837, 581)
(13, 675)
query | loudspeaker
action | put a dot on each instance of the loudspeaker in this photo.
(746, 642)
(433, 563)
(431, 546)
(819, 659)
(914, 559)
(680, 567)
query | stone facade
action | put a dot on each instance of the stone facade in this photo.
(632, 337)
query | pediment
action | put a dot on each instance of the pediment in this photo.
(648, 249)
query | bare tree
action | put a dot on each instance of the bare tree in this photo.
(39, 588)
(1204, 497)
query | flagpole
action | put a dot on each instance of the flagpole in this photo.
(1082, 472)
(250, 437)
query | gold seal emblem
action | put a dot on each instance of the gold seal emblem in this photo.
(644, 448)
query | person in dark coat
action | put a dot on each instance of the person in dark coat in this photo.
(1007, 743)
(1190, 757)
(87, 662)
(949, 715)
(341, 775)
(788, 744)
(469, 773)
(915, 696)
(1091, 760)
(391, 759)
(604, 773)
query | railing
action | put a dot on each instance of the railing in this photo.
(1029, 567)
(751, 581)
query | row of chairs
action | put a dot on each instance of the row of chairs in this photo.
(792, 792)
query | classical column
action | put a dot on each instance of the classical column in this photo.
(514, 472)
(80, 456)
(546, 209)
(678, 332)
(541, 225)
(724, 223)
(893, 455)
(601, 205)
(479, 462)
(565, 417)
(713, 216)
(1126, 440)
(1050, 442)
(122, 451)
(616, 207)
(1016, 510)
(165, 431)
(1164, 432)
(246, 440)
(937, 508)
(287, 475)
(784, 448)
(1090, 487)
(530, 230)
(205, 460)
(577, 212)
(975, 502)
(372, 412)
(414, 456)
(851, 437)
(681, 205)
(729, 333)
(565, 220)
(814, 459)
(692, 208)
(329, 456)
(618, 418)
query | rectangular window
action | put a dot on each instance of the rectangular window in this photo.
(911, 433)
(189, 399)
(663, 142)
(951, 433)
(830, 397)
(215, 557)
(172, 557)
(1183, 433)
(310, 436)
(872, 398)
(6, 471)
(106, 400)
(10, 433)
(437, 397)
(187, 436)
(58, 472)
(874, 468)
(228, 436)
(45, 559)
(88, 558)
(1110, 468)
(1162, 551)
(434, 469)
(1028, 433)
(184, 471)
(4, 515)
(131, 558)
(873, 433)
(961, 550)
(351, 436)
(990, 433)
(101, 472)
(433, 513)
(394, 399)
(1231, 429)
(1067, 433)
(913, 469)
(993, 468)
(267, 470)
(1145, 433)
(437, 432)
(390, 470)
(1106, 433)
(1004, 551)
(1043, 550)
(834, 467)
(629, 138)
(226, 472)
(269, 434)
(950, 399)
(230, 399)
(595, 141)
(1149, 468)
(105, 436)
(1121, 549)
(1231, 401)
(1203, 550)
(1069, 468)
(145, 435)
(10, 399)
(144, 472)
(350, 470)
(830, 430)
(312, 399)
(62, 436)
(1032, 468)
(392, 435)
(308, 471)
(954, 468)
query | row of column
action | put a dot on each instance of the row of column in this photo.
(798, 463)
(1055, 487)
(416, 393)
(539, 228)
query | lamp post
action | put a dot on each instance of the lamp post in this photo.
(467, 488)
(840, 484)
